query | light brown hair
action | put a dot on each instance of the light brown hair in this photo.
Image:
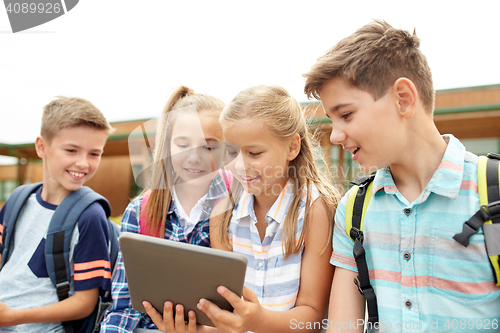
(372, 59)
(71, 112)
(161, 194)
(284, 117)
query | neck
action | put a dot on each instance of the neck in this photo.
(189, 195)
(53, 194)
(265, 201)
(419, 161)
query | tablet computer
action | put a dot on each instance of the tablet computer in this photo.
(160, 270)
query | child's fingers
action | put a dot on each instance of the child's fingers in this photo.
(217, 315)
(236, 302)
(168, 317)
(249, 295)
(192, 322)
(180, 323)
(155, 316)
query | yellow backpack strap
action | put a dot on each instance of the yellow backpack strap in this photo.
(489, 196)
(358, 202)
(355, 212)
(488, 215)
(349, 209)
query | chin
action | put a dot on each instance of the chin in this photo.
(197, 182)
(252, 190)
(73, 187)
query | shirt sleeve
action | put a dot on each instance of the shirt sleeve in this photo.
(121, 317)
(342, 255)
(91, 255)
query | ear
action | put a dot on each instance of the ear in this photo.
(40, 145)
(406, 97)
(293, 147)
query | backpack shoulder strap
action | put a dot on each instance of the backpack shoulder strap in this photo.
(357, 203)
(13, 207)
(489, 196)
(488, 215)
(114, 244)
(144, 220)
(57, 244)
(227, 178)
(489, 211)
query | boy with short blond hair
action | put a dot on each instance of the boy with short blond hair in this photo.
(376, 87)
(73, 135)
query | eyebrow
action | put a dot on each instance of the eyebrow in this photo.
(186, 138)
(72, 145)
(211, 140)
(339, 106)
(255, 145)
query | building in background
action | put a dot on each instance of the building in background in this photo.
(471, 114)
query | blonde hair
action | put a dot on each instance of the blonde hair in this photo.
(372, 59)
(161, 194)
(284, 118)
(71, 112)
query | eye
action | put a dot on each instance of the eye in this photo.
(70, 150)
(345, 115)
(255, 154)
(208, 148)
(182, 146)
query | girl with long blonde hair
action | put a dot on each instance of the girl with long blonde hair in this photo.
(184, 186)
(282, 221)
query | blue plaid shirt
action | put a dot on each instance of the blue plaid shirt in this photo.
(122, 317)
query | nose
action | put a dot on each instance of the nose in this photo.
(194, 155)
(338, 135)
(82, 162)
(239, 163)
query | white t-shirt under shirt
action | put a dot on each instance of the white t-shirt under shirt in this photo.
(193, 217)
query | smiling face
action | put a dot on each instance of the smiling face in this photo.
(261, 166)
(196, 148)
(366, 127)
(70, 159)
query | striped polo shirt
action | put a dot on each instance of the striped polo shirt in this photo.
(273, 279)
(424, 280)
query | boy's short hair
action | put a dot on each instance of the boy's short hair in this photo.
(71, 112)
(372, 59)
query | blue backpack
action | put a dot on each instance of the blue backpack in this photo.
(57, 244)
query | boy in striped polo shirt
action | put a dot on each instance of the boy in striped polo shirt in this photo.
(376, 87)
(71, 143)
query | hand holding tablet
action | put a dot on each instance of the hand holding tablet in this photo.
(160, 270)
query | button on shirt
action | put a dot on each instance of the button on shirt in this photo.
(425, 280)
(274, 280)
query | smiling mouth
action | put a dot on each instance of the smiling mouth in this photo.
(354, 150)
(248, 178)
(194, 170)
(77, 174)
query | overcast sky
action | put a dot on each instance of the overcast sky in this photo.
(127, 56)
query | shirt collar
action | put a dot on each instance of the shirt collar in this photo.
(276, 213)
(196, 211)
(216, 190)
(445, 181)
